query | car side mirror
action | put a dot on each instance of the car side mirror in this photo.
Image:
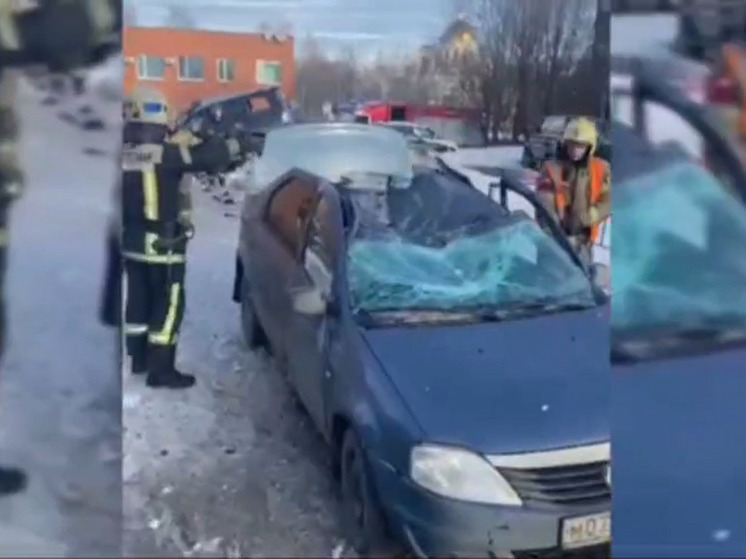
(309, 301)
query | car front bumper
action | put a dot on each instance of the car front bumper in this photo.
(434, 526)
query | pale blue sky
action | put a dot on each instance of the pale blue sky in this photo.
(369, 24)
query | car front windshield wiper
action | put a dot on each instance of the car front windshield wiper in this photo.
(633, 347)
(534, 308)
(464, 314)
(388, 317)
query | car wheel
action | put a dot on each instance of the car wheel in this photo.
(363, 522)
(253, 333)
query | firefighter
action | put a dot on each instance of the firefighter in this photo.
(734, 59)
(576, 187)
(156, 226)
(59, 36)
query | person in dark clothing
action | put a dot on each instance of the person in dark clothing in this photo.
(156, 227)
(59, 36)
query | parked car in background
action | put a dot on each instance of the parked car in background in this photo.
(545, 143)
(422, 135)
(389, 294)
(678, 336)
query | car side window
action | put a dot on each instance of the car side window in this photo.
(289, 212)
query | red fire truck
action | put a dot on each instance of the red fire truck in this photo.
(462, 126)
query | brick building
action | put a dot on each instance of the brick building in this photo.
(188, 65)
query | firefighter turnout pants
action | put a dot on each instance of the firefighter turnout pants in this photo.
(154, 309)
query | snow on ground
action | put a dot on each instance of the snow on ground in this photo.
(232, 467)
(494, 156)
(59, 397)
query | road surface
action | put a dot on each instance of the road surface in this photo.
(60, 403)
(231, 467)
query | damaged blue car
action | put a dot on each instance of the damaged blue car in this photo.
(453, 353)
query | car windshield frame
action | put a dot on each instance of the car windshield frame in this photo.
(644, 283)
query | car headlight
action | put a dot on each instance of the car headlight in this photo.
(460, 474)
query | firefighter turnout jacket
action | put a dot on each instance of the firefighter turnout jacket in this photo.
(156, 203)
(581, 195)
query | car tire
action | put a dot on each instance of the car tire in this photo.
(363, 522)
(253, 333)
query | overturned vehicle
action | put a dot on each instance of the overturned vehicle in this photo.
(453, 353)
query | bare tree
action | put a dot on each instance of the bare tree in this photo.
(533, 60)
(346, 77)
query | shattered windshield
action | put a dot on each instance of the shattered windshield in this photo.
(679, 259)
(334, 151)
(515, 263)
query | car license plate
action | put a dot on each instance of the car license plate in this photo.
(588, 530)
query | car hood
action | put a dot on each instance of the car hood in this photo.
(517, 386)
(687, 418)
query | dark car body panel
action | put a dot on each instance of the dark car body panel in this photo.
(678, 428)
(533, 397)
(678, 421)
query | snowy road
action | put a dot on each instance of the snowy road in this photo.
(59, 403)
(232, 467)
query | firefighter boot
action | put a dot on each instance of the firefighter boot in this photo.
(12, 481)
(162, 371)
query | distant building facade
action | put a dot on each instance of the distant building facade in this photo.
(189, 65)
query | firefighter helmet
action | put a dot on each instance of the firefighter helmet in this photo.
(582, 130)
(146, 105)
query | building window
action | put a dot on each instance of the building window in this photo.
(268, 72)
(226, 70)
(191, 68)
(151, 67)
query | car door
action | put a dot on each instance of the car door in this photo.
(276, 244)
(308, 357)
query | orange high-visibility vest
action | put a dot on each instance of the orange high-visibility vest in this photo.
(734, 57)
(597, 169)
